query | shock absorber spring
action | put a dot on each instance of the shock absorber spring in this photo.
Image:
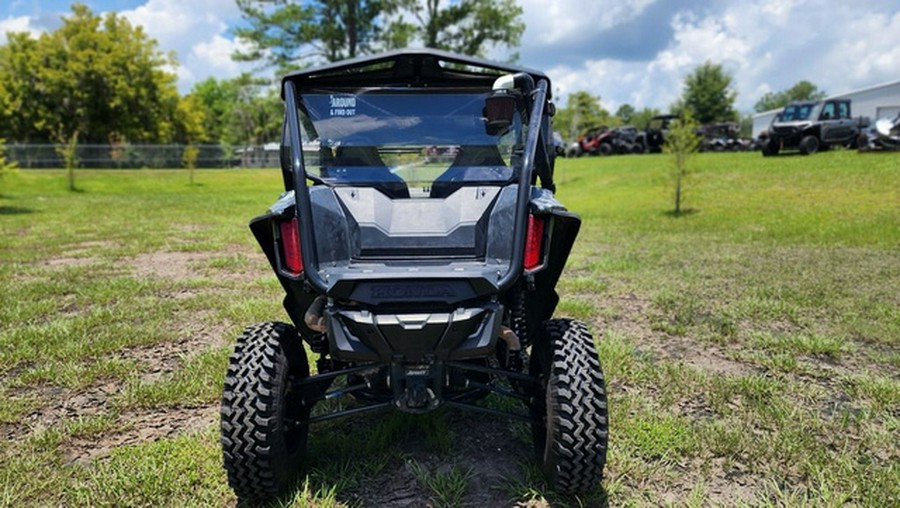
(517, 315)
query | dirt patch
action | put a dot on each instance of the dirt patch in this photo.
(699, 355)
(192, 228)
(484, 447)
(78, 255)
(629, 317)
(249, 266)
(87, 247)
(732, 484)
(155, 361)
(64, 404)
(169, 265)
(69, 262)
(141, 427)
(163, 358)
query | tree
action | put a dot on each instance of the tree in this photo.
(469, 27)
(190, 121)
(681, 142)
(290, 34)
(801, 91)
(239, 111)
(216, 99)
(97, 79)
(256, 116)
(189, 160)
(18, 65)
(69, 152)
(190, 115)
(583, 111)
(642, 118)
(625, 113)
(708, 95)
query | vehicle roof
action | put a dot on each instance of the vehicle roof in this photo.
(804, 103)
(409, 67)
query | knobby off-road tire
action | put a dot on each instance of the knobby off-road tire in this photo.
(809, 145)
(770, 148)
(570, 423)
(263, 424)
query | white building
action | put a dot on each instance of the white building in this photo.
(881, 101)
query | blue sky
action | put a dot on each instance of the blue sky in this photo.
(634, 51)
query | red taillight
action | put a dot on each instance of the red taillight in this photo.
(290, 241)
(534, 239)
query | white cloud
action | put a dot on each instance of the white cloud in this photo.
(564, 21)
(212, 58)
(216, 53)
(197, 31)
(765, 46)
(18, 24)
(635, 51)
(777, 10)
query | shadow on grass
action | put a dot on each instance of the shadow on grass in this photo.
(394, 459)
(15, 210)
(792, 153)
(683, 213)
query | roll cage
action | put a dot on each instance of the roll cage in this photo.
(419, 69)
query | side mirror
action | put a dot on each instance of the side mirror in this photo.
(499, 112)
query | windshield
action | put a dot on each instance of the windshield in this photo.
(408, 144)
(794, 112)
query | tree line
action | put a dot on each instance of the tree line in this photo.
(100, 80)
(708, 96)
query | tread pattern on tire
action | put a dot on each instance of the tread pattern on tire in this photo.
(576, 388)
(255, 455)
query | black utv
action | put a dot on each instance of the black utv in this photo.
(655, 133)
(811, 126)
(419, 257)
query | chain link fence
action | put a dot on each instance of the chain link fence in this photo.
(46, 156)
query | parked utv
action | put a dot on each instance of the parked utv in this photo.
(722, 137)
(419, 259)
(655, 133)
(627, 139)
(811, 126)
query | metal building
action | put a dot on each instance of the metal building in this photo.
(880, 101)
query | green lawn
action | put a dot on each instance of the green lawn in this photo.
(752, 346)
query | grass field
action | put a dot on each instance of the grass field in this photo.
(752, 346)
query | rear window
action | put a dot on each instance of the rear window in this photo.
(410, 142)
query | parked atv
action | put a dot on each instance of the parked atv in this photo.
(883, 136)
(593, 141)
(416, 282)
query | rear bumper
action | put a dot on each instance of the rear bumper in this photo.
(413, 338)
